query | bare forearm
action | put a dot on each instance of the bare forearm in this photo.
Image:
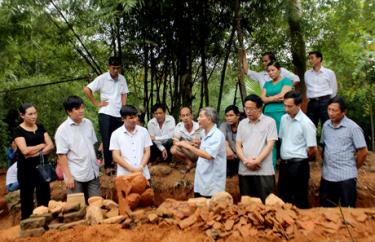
(240, 152)
(63, 161)
(361, 156)
(118, 159)
(146, 157)
(90, 96)
(266, 151)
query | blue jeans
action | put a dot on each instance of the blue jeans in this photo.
(12, 187)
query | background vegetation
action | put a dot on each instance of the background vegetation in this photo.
(182, 52)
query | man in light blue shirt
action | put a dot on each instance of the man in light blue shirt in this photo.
(210, 174)
(298, 135)
(345, 151)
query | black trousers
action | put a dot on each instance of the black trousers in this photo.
(257, 186)
(293, 185)
(317, 111)
(343, 193)
(232, 167)
(29, 182)
(108, 124)
(155, 152)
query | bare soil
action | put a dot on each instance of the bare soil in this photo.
(180, 187)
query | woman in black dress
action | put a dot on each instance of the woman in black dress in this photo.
(31, 139)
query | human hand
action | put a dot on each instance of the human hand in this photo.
(252, 164)
(164, 154)
(152, 137)
(102, 104)
(69, 182)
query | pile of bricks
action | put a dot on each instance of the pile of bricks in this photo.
(64, 215)
(219, 218)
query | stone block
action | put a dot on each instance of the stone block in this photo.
(72, 224)
(199, 202)
(187, 222)
(247, 200)
(109, 204)
(94, 215)
(55, 206)
(221, 200)
(40, 210)
(113, 220)
(96, 201)
(177, 209)
(32, 232)
(32, 223)
(74, 216)
(71, 207)
(55, 226)
(112, 213)
(272, 199)
(153, 217)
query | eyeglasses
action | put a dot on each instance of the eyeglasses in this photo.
(250, 110)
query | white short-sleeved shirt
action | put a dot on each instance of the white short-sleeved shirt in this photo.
(210, 175)
(110, 91)
(11, 176)
(254, 137)
(297, 135)
(131, 147)
(163, 134)
(263, 77)
(320, 83)
(181, 133)
(76, 141)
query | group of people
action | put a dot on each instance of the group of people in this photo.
(242, 145)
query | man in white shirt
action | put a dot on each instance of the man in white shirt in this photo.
(113, 90)
(187, 130)
(161, 130)
(262, 76)
(321, 86)
(255, 138)
(75, 139)
(130, 144)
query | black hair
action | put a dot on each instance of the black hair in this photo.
(233, 108)
(157, 106)
(191, 111)
(128, 110)
(114, 61)
(255, 99)
(275, 64)
(296, 96)
(317, 54)
(72, 102)
(340, 101)
(270, 55)
(22, 109)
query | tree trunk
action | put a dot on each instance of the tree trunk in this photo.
(228, 47)
(241, 82)
(297, 42)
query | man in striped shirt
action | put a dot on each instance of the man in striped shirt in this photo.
(345, 151)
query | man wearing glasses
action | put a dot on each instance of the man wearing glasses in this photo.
(256, 136)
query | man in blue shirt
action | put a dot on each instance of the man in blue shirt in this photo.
(298, 135)
(345, 151)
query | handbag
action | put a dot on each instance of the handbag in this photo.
(45, 170)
